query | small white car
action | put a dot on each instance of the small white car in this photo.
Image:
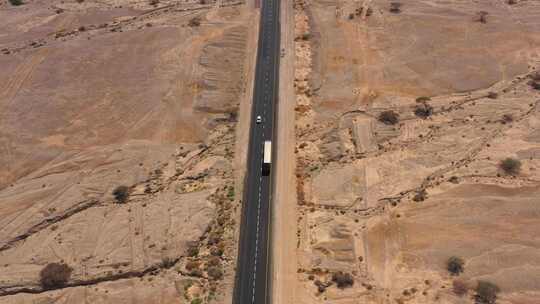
(258, 119)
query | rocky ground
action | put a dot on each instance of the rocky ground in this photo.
(95, 95)
(404, 116)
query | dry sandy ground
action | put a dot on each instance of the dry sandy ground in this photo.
(98, 94)
(359, 179)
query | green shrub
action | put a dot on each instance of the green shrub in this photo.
(454, 265)
(486, 292)
(196, 301)
(55, 275)
(510, 166)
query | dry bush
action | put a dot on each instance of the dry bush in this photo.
(507, 118)
(459, 287)
(55, 275)
(481, 16)
(321, 287)
(167, 262)
(486, 292)
(153, 2)
(454, 265)
(535, 84)
(420, 196)
(215, 273)
(121, 194)
(389, 117)
(192, 250)
(343, 279)
(195, 21)
(492, 95)
(512, 2)
(16, 2)
(423, 110)
(423, 99)
(213, 261)
(510, 166)
(191, 265)
(395, 7)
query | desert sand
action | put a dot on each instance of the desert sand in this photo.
(389, 202)
(100, 94)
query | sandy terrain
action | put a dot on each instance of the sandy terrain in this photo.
(389, 204)
(98, 94)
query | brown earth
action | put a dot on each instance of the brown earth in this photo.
(390, 204)
(98, 94)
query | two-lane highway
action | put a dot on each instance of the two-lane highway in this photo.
(253, 254)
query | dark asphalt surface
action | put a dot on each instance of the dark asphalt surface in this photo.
(253, 256)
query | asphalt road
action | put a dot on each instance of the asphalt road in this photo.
(253, 256)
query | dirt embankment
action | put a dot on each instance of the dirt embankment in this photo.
(97, 96)
(405, 114)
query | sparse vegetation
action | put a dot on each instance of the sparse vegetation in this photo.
(343, 279)
(481, 16)
(423, 110)
(213, 261)
(459, 287)
(486, 292)
(395, 7)
(121, 194)
(192, 250)
(454, 265)
(510, 166)
(196, 301)
(195, 21)
(389, 117)
(55, 275)
(16, 2)
(215, 273)
(191, 265)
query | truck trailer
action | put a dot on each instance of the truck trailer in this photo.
(267, 158)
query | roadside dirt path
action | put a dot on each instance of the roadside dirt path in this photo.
(284, 202)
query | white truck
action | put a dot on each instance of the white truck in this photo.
(267, 158)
